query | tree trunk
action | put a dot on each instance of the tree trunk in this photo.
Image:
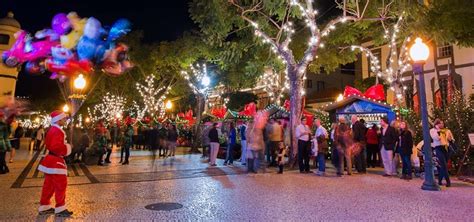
(197, 126)
(295, 110)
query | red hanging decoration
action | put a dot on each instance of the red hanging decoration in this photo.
(219, 112)
(375, 92)
(249, 110)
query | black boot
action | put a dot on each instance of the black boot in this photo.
(64, 213)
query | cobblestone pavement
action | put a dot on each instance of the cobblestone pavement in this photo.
(200, 193)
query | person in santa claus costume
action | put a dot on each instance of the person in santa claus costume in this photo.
(54, 168)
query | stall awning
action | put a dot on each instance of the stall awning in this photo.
(346, 101)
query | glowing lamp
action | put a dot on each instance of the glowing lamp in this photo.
(80, 82)
(168, 105)
(205, 81)
(65, 108)
(340, 98)
(419, 52)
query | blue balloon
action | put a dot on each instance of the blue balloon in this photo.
(119, 29)
(86, 48)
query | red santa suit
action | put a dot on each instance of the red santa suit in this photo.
(54, 167)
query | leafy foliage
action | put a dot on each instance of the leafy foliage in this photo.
(237, 100)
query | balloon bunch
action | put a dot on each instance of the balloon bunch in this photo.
(73, 45)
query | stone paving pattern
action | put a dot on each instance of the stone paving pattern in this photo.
(226, 194)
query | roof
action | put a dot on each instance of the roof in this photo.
(351, 99)
(10, 21)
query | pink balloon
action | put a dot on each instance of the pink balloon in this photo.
(60, 23)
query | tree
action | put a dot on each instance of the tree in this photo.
(153, 96)
(199, 81)
(270, 22)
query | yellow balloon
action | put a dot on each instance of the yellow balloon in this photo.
(70, 40)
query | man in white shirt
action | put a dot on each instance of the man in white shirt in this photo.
(303, 135)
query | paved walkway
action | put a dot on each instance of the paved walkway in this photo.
(120, 193)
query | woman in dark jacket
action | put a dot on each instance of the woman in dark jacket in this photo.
(405, 146)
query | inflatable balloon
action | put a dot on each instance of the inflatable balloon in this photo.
(72, 45)
(69, 67)
(92, 29)
(70, 40)
(24, 50)
(119, 29)
(34, 67)
(60, 24)
(116, 60)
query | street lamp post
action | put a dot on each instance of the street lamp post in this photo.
(419, 53)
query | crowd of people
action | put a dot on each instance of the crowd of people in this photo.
(352, 146)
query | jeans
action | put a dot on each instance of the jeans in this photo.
(387, 158)
(274, 146)
(406, 164)
(321, 162)
(267, 150)
(214, 151)
(127, 151)
(372, 151)
(304, 150)
(254, 162)
(359, 160)
(243, 157)
(229, 154)
(441, 154)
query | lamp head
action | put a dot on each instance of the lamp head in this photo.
(419, 52)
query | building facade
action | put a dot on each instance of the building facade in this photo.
(8, 76)
(448, 68)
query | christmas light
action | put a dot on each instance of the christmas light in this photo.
(153, 98)
(111, 107)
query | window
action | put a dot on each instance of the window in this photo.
(4, 39)
(348, 68)
(445, 51)
(309, 83)
(320, 86)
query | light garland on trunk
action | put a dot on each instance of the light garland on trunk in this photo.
(152, 96)
(110, 108)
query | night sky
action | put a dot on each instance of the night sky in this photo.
(160, 20)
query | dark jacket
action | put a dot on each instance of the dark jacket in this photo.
(406, 143)
(85, 140)
(389, 139)
(172, 135)
(358, 132)
(213, 136)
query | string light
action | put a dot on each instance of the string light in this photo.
(153, 97)
(108, 108)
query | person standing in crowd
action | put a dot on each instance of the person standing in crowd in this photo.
(303, 135)
(39, 137)
(396, 153)
(343, 141)
(372, 146)
(358, 135)
(405, 146)
(281, 157)
(100, 142)
(109, 146)
(243, 143)
(205, 141)
(266, 138)
(162, 136)
(388, 140)
(256, 146)
(16, 134)
(54, 168)
(214, 142)
(321, 136)
(275, 138)
(229, 160)
(127, 143)
(83, 145)
(172, 138)
(154, 140)
(4, 143)
(441, 138)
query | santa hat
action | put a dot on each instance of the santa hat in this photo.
(57, 115)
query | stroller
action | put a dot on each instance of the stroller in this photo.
(418, 161)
